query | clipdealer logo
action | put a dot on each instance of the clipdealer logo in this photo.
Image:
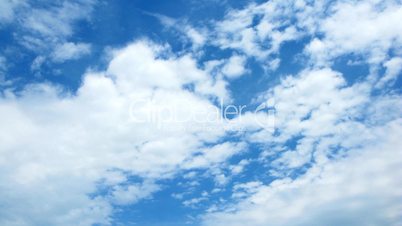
(179, 113)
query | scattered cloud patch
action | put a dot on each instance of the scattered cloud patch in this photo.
(235, 67)
(70, 51)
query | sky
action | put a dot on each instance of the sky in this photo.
(200, 113)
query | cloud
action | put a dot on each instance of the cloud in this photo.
(3, 67)
(168, 74)
(123, 195)
(323, 125)
(196, 36)
(339, 135)
(375, 30)
(235, 67)
(55, 22)
(315, 105)
(4, 80)
(37, 63)
(70, 51)
(317, 113)
(359, 189)
(257, 29)
(55, 142)
(331, 158)
(47, 29)
(214, 155)
(393, 70)
(7, 10)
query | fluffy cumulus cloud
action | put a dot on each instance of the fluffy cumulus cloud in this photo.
(102, 128)
(331, 156)
(235, 67)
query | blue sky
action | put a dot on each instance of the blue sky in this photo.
(210, 113)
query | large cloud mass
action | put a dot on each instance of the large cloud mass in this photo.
(333, 158)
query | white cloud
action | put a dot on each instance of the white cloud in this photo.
(123, 195)
(70, 51)
(244, 190)
(193, 202)
(261, 38)
(259, 30)
(46, 29)
(196, 36)
(7, 9)
(216, 154)
(351, 143)
(54, 142)
(168, 74)
(393, 70)
(239, 167)
(94, 135)
(320, 96)
(235, 66)
(55, 22)
(360, 189)
(375, 30)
